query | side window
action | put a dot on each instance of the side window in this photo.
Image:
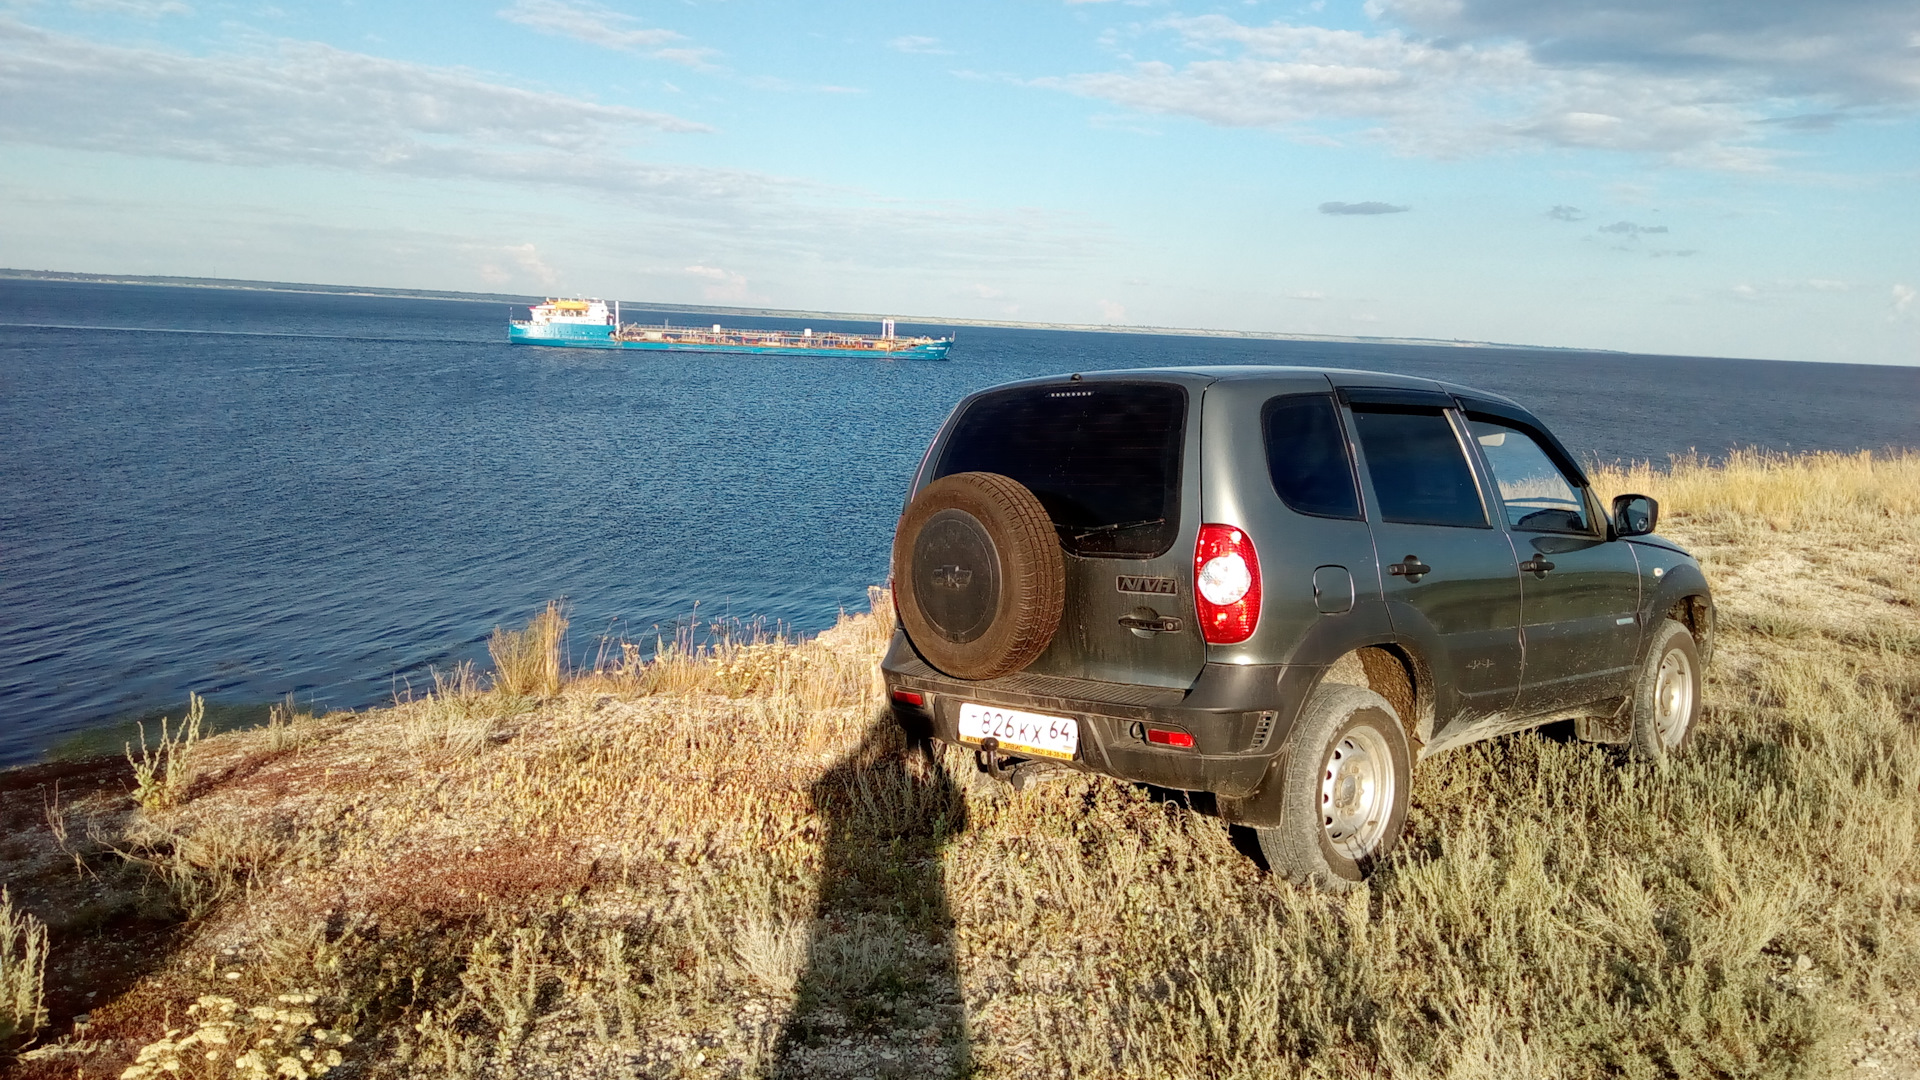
(1537, 495)
(1418, 467)
(1307, 456)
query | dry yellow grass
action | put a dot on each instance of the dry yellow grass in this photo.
(529, 661)
(23, 962)
(724, 862)
(1757, 489)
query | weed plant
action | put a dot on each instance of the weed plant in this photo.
(531, 661)
(23, 968)
(161, 774)
(281, 1041)
(456, 718)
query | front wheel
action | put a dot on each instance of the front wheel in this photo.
(1344, 799)
(1666, 696)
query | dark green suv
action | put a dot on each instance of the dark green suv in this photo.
(1282, 586)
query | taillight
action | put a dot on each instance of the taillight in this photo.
(1226, 579)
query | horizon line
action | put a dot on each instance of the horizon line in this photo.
(461, 296)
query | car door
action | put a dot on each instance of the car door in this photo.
(1447, 573)
(1579, 591)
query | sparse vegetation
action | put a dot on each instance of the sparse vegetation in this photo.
(722, 860)
(455, 718)
(265, 1042)
(529, 661)
(288, 725)
(161, 774)
(23, 969)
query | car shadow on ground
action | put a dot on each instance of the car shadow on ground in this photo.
(880, 993)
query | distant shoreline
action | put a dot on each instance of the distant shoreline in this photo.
(248, 285)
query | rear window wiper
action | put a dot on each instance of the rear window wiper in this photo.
(1118, 526)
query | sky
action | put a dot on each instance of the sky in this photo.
(1708, 177)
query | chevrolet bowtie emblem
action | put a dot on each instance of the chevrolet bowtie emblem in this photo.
(953, 577)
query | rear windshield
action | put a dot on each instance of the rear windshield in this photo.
(1103, 458)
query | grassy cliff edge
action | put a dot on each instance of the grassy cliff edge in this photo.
(723, 862)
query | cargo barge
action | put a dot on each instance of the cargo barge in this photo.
(591, 324)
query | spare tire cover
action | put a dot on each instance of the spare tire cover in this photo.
(978, 575)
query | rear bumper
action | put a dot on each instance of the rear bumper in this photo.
(1239, 717)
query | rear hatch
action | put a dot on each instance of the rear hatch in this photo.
(1115, 462)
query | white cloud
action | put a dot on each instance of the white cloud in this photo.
(1126, 122)
(915, 43)
(1363, 209)
(1804, 288)
(722, 284)
(1903, 297)
(777, 85)
(609, 29)
(1630, 231)
(1473, 76)
(1112, 312)
(529, 259)
(139, 9)
(1843, 51)
(306, 105)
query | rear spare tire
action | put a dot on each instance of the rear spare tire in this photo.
(978, 575)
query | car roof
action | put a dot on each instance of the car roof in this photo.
(1336, 377)
(1202, 375)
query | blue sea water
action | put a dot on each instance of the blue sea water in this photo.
(249, 493)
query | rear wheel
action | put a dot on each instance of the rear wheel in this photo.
(1344, 799)
(1666, 696)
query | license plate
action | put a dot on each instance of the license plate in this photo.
(1023, 732)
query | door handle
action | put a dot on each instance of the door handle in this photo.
(1536, 566)
(1412, 568)
(1165, 624)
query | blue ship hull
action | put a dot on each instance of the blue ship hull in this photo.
(588, 336)
(577, 334)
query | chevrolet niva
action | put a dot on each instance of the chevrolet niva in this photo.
(1281, 586)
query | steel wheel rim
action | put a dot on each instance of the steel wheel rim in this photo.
(1673, 697)
(1356, 792)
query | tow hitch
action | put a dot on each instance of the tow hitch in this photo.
(1017, 773)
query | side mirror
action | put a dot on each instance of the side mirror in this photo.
(1635, 515)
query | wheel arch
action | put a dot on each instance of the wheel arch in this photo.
(1402, 661)
(1396, 671)
(1684, 597)
(1339, 649)
(1695, 612)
